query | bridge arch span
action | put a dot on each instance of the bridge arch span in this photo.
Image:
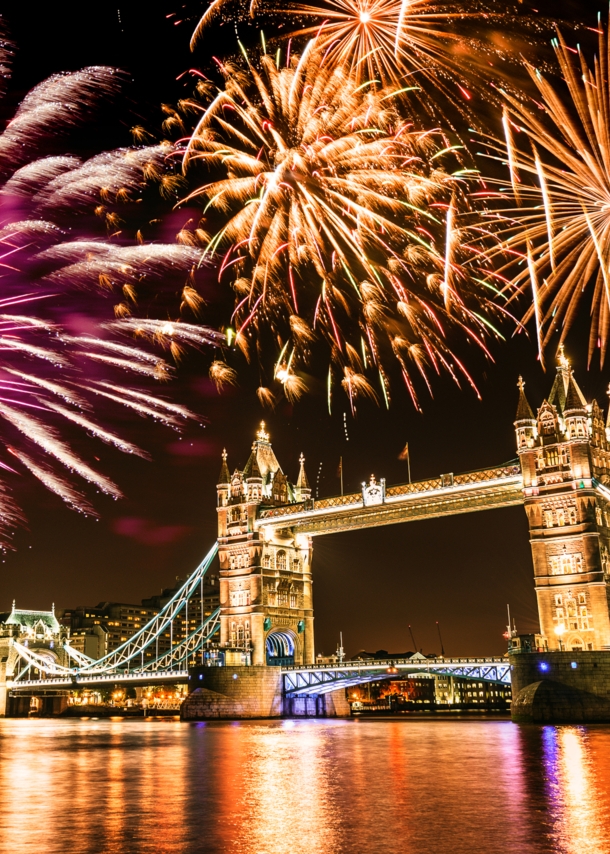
(280, 647)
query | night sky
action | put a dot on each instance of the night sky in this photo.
(370, 585)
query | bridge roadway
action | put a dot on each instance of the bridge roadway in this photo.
(446, 495)
(316, 679)
(298, 681)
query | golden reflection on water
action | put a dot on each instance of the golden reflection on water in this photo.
(578, 803)
(303, 787)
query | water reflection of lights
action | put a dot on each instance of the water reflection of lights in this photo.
(320, 787)
(293, 802)
(578, 807)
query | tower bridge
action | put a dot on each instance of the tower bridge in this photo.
(264, 627)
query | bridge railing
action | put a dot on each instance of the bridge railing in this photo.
(387, 662)
(420, 487)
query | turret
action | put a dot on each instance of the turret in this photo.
(575, 413)
(525, 423)
(302, 490)
(224, 481)
(253, 477)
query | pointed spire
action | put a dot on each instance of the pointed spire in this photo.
(224, 476)
(573, 398)
(524, 410)
(302, 482)
(252, 468)
(559, 392)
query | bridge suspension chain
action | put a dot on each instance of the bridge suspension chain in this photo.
(135, 647)
(132, 652)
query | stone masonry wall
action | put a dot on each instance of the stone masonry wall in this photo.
(561, 687)
(234, 693)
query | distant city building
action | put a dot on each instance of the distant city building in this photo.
(429, 691)
(96, 631)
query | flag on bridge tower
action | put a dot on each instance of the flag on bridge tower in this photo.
(404, 455)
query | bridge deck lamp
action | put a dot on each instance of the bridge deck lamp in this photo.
(559, 631)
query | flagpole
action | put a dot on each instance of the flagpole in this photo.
(409, 462)
(341, 470)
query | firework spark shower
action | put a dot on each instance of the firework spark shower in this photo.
(334, 218)
(64, 253)
(553, 213)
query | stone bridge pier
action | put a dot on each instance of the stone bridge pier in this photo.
(234, 693)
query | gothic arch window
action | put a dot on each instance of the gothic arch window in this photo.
(547, 423)
(267, 561)
(572, 515)
(561, 516)
(296, 565)
(281, 561)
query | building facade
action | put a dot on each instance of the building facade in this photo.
(97, 631)
(41, 633)
(564, 451)
(265, 575)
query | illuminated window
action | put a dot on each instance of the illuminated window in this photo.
(572, 516)
(551, 458)
(281, 561)
(548, 518)
(561, 516)
(267, 561)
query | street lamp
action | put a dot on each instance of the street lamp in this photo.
(559, 631)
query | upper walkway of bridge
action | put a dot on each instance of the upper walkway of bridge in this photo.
(375, 505)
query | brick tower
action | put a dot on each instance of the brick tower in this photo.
(565, 461)
(265, 577)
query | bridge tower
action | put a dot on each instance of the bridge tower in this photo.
(266, 605)
(565, 460)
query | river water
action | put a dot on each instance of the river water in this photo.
(317, 787)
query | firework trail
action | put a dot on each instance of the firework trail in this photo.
(52, 381)
(334, 220)
(438, 52)
(553, 225)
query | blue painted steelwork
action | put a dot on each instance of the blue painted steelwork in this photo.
(315, 680)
